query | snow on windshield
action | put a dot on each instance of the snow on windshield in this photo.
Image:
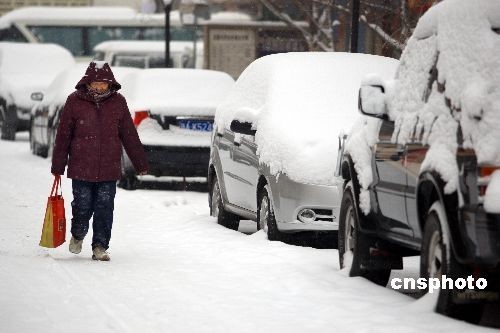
(299, 104)
(176, 91)
(64, 84)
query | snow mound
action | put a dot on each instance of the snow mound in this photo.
(363, 135)
(50, 14)
(64, 84)
(463, 36)
(299, 103)
(26, 68)
(491, 202)
(144, 46)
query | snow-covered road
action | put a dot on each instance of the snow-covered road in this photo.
(173, 269)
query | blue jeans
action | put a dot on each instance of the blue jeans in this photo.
(93, 198)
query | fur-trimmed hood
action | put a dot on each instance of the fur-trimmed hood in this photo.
(99, 71)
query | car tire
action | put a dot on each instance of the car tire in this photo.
(265, 216)
(8, 122)
(433, 264)
(224, 218)
(353, 245)
(34, 146)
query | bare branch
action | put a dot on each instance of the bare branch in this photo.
(285, 18)
(385, 36)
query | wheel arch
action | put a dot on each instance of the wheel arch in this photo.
(430, 188)
(210, 178)
(349, 174)
(260, 186)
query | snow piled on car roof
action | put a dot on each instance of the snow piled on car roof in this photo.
(64, 84)
(145, 46)
(176, 92)
(27, 68)
(81, 14)
(464, 101)
(299, 104)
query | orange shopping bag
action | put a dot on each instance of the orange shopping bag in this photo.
(54, 224)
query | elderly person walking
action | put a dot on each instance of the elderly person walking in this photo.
(94, 125)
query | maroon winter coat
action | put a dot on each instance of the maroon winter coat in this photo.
(91, 133)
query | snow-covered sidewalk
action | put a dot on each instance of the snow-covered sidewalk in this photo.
(173, 269)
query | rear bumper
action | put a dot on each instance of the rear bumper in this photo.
(177, 161)
(480, 233)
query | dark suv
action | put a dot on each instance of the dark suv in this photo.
(419, 185)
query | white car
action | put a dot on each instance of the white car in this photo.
(274, 157)
(173, 110)
(24, 69)
(149, 54)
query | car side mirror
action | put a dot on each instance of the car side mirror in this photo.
(371, 101)
(37, 96)
(242, 127)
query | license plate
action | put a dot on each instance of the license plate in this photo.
(196, 125)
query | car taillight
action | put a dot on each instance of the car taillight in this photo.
(140, 116)
(485, 173)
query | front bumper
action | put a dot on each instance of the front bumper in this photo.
(290, 197)
(177, 161)
(480, 233)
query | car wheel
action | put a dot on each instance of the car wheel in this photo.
(224, 218)
(353, 245)
(32, 139)
(8, 122)
(265, 217)
(437, 260)
(35, 149)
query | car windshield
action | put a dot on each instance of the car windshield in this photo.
(138, 61)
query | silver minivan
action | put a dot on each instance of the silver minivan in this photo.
(275, 144)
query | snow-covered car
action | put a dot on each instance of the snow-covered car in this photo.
(25, 69)
(423, 173)
(173, 110)
(275, 148)
(149, 54)
(45, 113)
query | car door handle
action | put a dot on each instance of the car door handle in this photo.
(237, 144)
(220, 135)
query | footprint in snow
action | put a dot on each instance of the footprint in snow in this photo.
(176, 201)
